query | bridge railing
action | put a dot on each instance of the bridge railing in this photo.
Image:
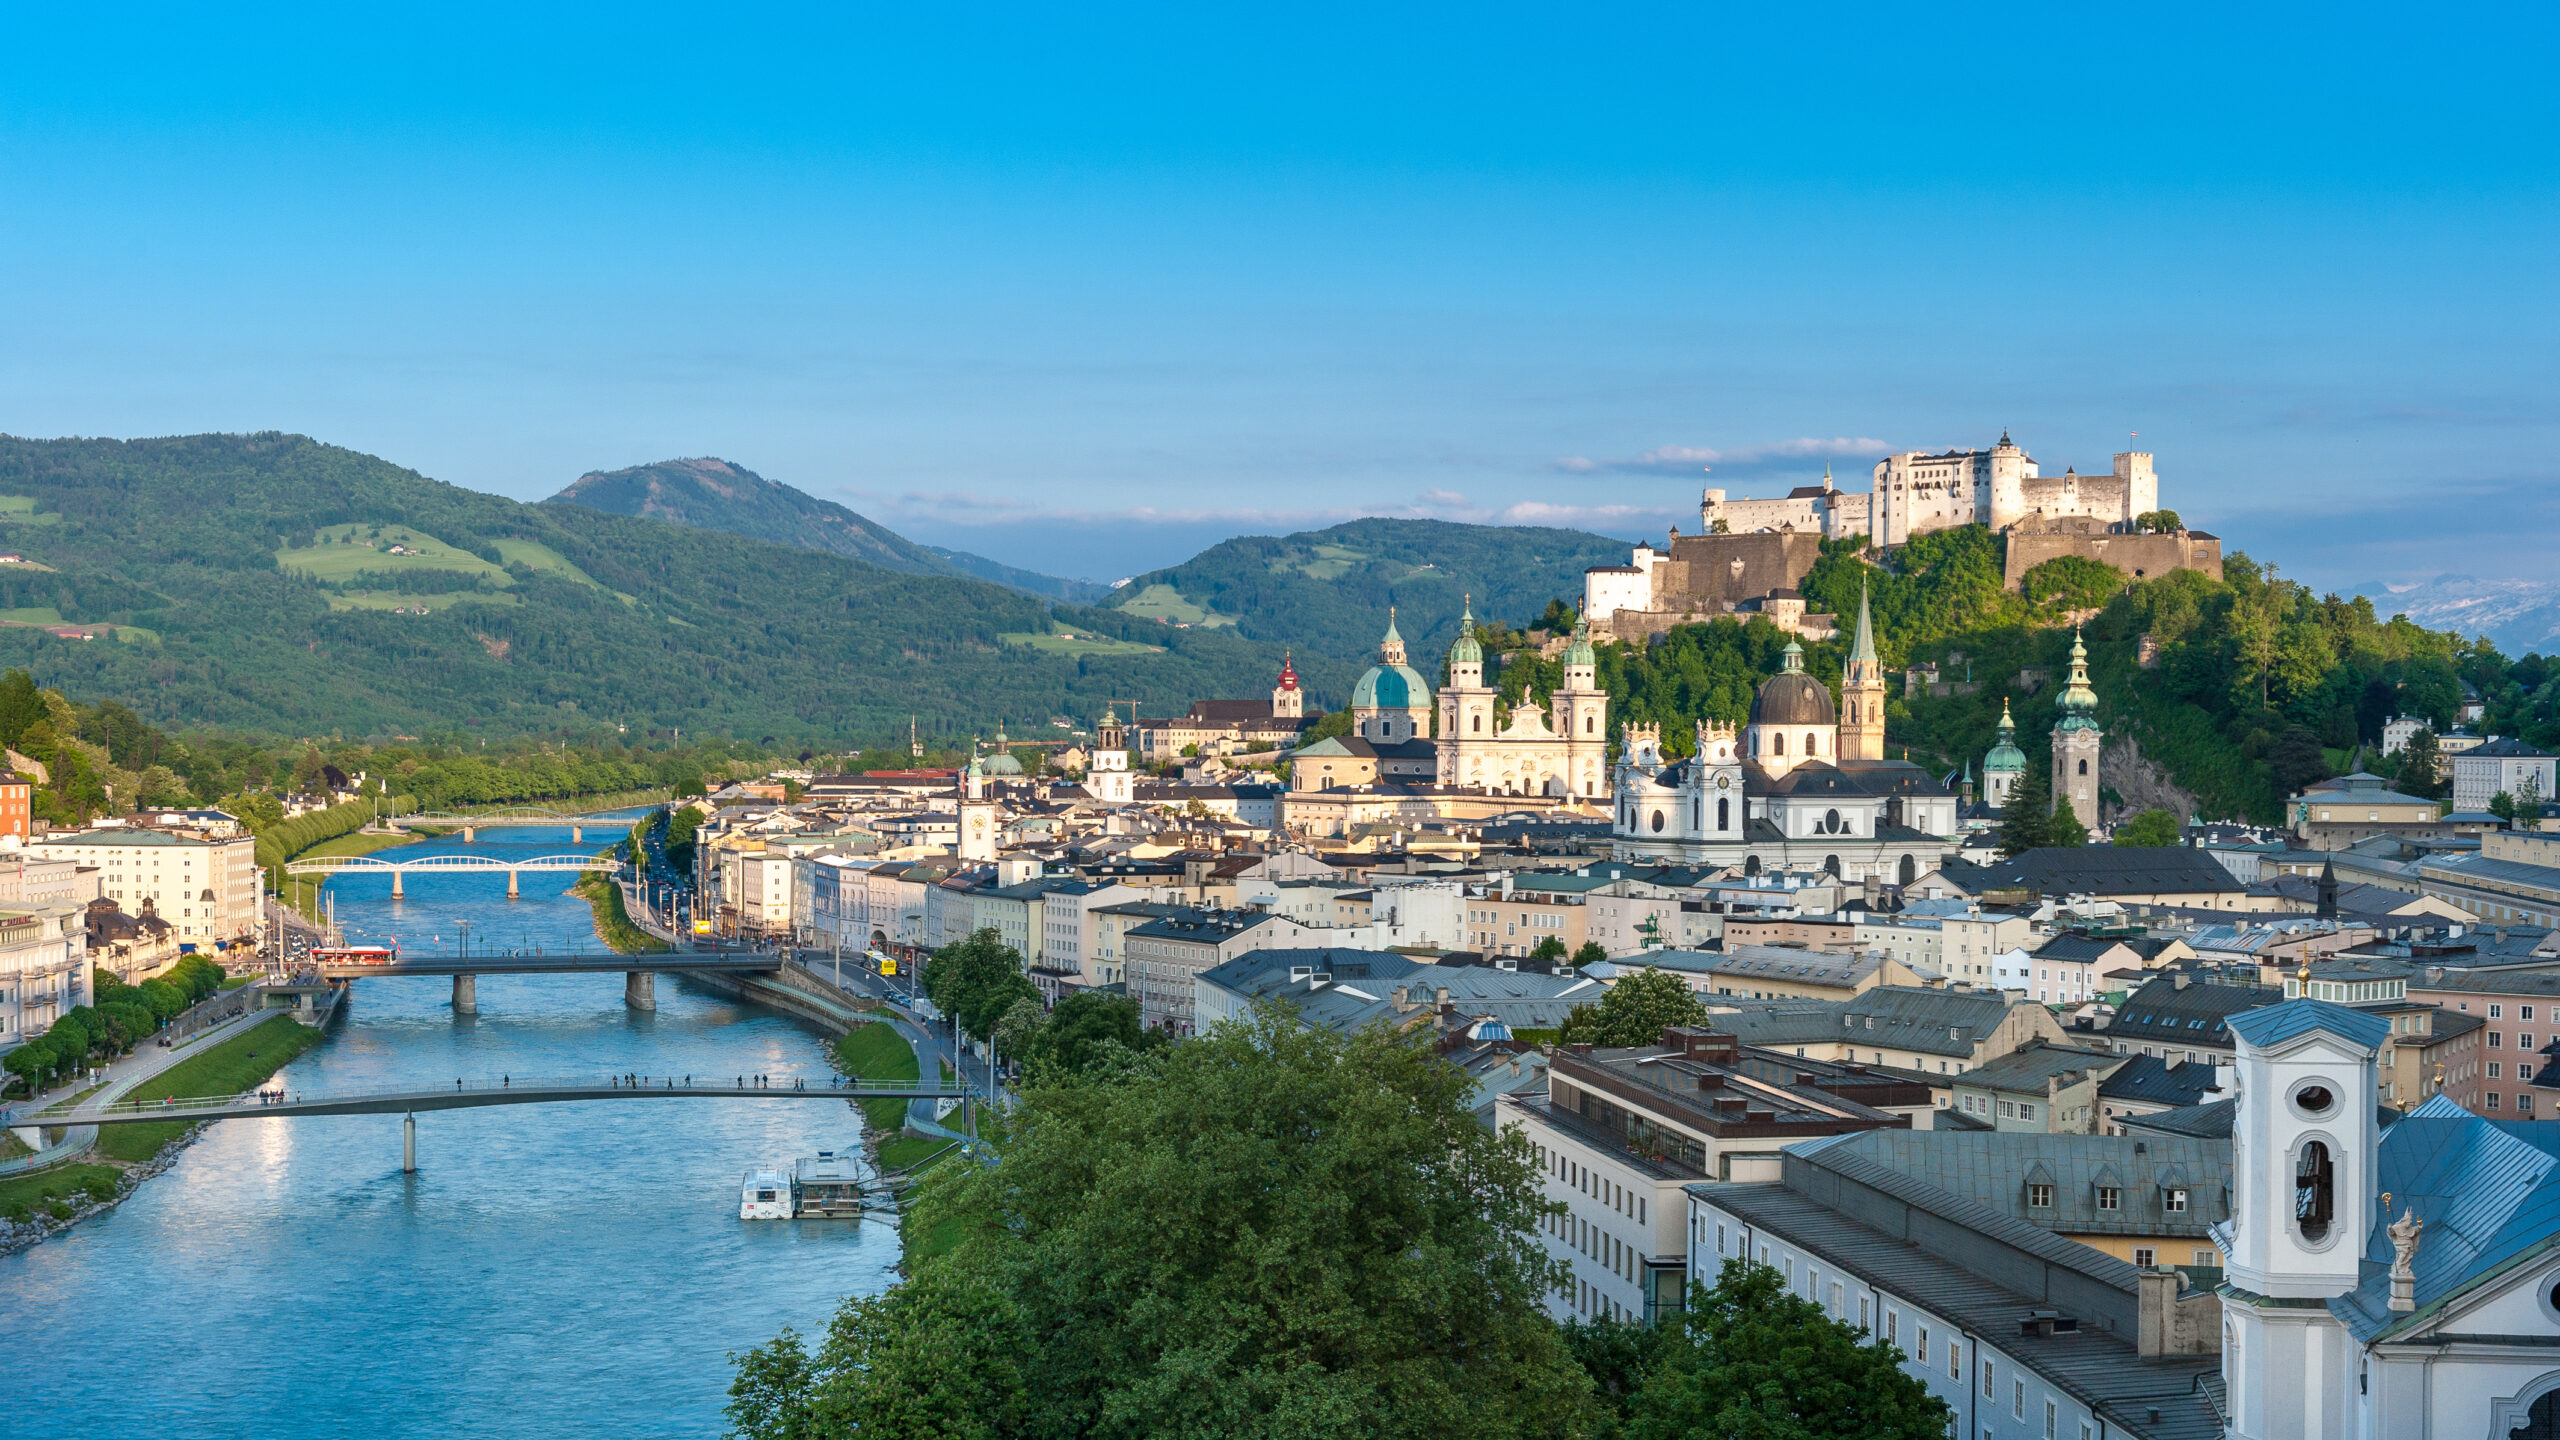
(175, 1107)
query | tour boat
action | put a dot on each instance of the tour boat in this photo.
(765, 1196)
(828, 1185)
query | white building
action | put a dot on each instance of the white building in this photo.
(207, 888)
(45, 970)
(2381, 1282)
(2496, 767)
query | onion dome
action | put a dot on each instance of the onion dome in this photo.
(2005, 757)
(1791, 697)
(1579, 652)
(1288, 672)
(2079, 703)
(1467, 651)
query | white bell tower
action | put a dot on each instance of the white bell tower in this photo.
(2304, 1149)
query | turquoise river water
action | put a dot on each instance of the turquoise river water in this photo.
(550, 1271)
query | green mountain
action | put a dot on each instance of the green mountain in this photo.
(1327, 592)
(271, 582)
(713, 494)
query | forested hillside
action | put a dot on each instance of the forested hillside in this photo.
(716, 495)
(270, 582)
(2259, 684)
(1327, 592)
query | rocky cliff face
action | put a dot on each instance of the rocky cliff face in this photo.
(2124, 769)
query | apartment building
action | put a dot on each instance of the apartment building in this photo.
(45, 969)
(1621, 1132)
(2490, 1070)
(205, 885)
(1511, 921)
(1939, 1032)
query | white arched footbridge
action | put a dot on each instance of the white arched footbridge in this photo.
(448, 865)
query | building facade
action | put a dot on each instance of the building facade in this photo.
(206, 887)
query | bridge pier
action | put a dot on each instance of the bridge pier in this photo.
(640, 989)
(395, 882)
(511, 885)
(577, 834)
(466, 994)
(408, 1144)
(466, 834)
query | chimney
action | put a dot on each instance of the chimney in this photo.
(2178, 981)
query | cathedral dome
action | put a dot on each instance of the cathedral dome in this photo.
(1791, 697)
(2005, 757)
(1391, 687)
(1003, 763)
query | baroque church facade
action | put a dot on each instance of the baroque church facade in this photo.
(1804, 786)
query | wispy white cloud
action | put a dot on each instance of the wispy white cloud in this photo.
(962, 508)
(1689, 459)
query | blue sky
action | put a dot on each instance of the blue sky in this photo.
(1086, 289)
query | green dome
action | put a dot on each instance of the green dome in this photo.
(2005, 756)
(1003, 764)
(1391, 687)
(1579, 652)
(1467, 651)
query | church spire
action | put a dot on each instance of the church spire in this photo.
(2079, 703)
(1864, 650)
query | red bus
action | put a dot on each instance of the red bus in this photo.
(355, 955)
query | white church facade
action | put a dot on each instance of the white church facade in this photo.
(2381, 1281)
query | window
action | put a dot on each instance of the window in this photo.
(2524, 1012)
(2174, 1201)
(2026, 1111)
(1955, 1361)
(2494, 1068)
(2110, 1198)
(1924, 1344)
(2205, 1259)
(2314, 1191)
(2017, 1399)
(2145, 1257)
(2492, 1098)
(1892, 1325)
(2039, 1197)
(2052, 1421)
(2497, 1012)
(2496, 1040)
(1719, 1237)
(1986, 1379)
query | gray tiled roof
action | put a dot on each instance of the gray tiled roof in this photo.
(2151, 1080)
(2100, 870)
(1992, 1168)
(1941, 1252)
(2023, 1071)
(1930, 1022)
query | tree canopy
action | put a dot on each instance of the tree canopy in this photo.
(1750, 1358)
(1634, 1011)
(976, 979)
(1265, 1231)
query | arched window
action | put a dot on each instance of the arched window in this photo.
(1697, 814)
(1812, 744)
(1724, 814)
(1777, 744)
(1587, 722)
(1910, 870)
(2084, 767)
(2314, 1191)
(1476, 723)
(1750, 864)
(1657, 822)
(1831, 866)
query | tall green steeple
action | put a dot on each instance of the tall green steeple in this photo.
(1466, 651)
(2079, 703)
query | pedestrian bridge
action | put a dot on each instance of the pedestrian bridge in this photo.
(477, 1094)
(506, 1090)
(449, 865)
(639, 972)
(512, 816)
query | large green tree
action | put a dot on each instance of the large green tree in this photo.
(1635, 1010)
(1750, 1359)
(977, 979)
(1266, 1231)
(2063, 829)
(2150, 828)
(2026, 820)
(1088, 1031)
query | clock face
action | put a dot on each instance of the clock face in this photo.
(1724, 782)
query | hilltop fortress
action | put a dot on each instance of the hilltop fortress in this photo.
(1751, 554)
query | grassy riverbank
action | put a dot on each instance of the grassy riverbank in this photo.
(22, 1195)
(613, 922)
(236, 1064)
(878, 1053)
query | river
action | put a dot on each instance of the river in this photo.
(551, 1270)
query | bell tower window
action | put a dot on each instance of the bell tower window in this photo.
(2314, 1191)
(1777, 744)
